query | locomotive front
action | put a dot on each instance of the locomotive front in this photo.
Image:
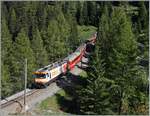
(40, 78)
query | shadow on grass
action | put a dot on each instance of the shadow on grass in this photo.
(67, 105)
(70, 84)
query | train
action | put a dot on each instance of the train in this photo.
(44, 76)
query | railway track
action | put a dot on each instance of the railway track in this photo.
(16, 98)
(15, 103)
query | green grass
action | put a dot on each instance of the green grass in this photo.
(51, 101)
(86, 32)
(83, 74)
(50, 104)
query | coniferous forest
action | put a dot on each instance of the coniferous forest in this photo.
(44, 32)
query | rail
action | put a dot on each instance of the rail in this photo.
(8, 101)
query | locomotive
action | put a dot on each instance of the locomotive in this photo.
(47, 74)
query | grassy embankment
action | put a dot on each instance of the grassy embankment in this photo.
(51, 105)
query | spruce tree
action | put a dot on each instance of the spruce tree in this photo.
(22, 50)
(6, 42)
(57, 34)
(91, 6)
(143, 16)
(5, 12)
(41, 15)
(6, 89)
(123, 50)
(94, 98)
(12, 21)
(6, 59)
(39, 51)
(73, 36)
(78, 13)
(84, 15)
(50, 40)
(121, 64)
(104, 36)
(23, 17)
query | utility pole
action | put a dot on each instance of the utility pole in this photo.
(25, 84)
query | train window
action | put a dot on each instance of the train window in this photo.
(34, 76)
(40, 76)
(48, 75)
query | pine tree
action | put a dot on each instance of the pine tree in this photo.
(63, 24)
(6, 58)
(42, 15)
(57, 36)
(6, 42)
(63, 30)
(143, 17)
(31, 20)
(104, 36)
(51, 38)
(124, 49)
(78, 13)
(12, 21)
(38, 49)
(22, 50)
(94, 98)
(69, 7)
(6, 82)
(143, 27)
(74, 36)
(121, 65)
(84, 15)
(91, 6)
(5, 13)
(23, 18)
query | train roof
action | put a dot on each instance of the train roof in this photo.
(72, 56)
(76, 53)
(80, 47)
(45, 69)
